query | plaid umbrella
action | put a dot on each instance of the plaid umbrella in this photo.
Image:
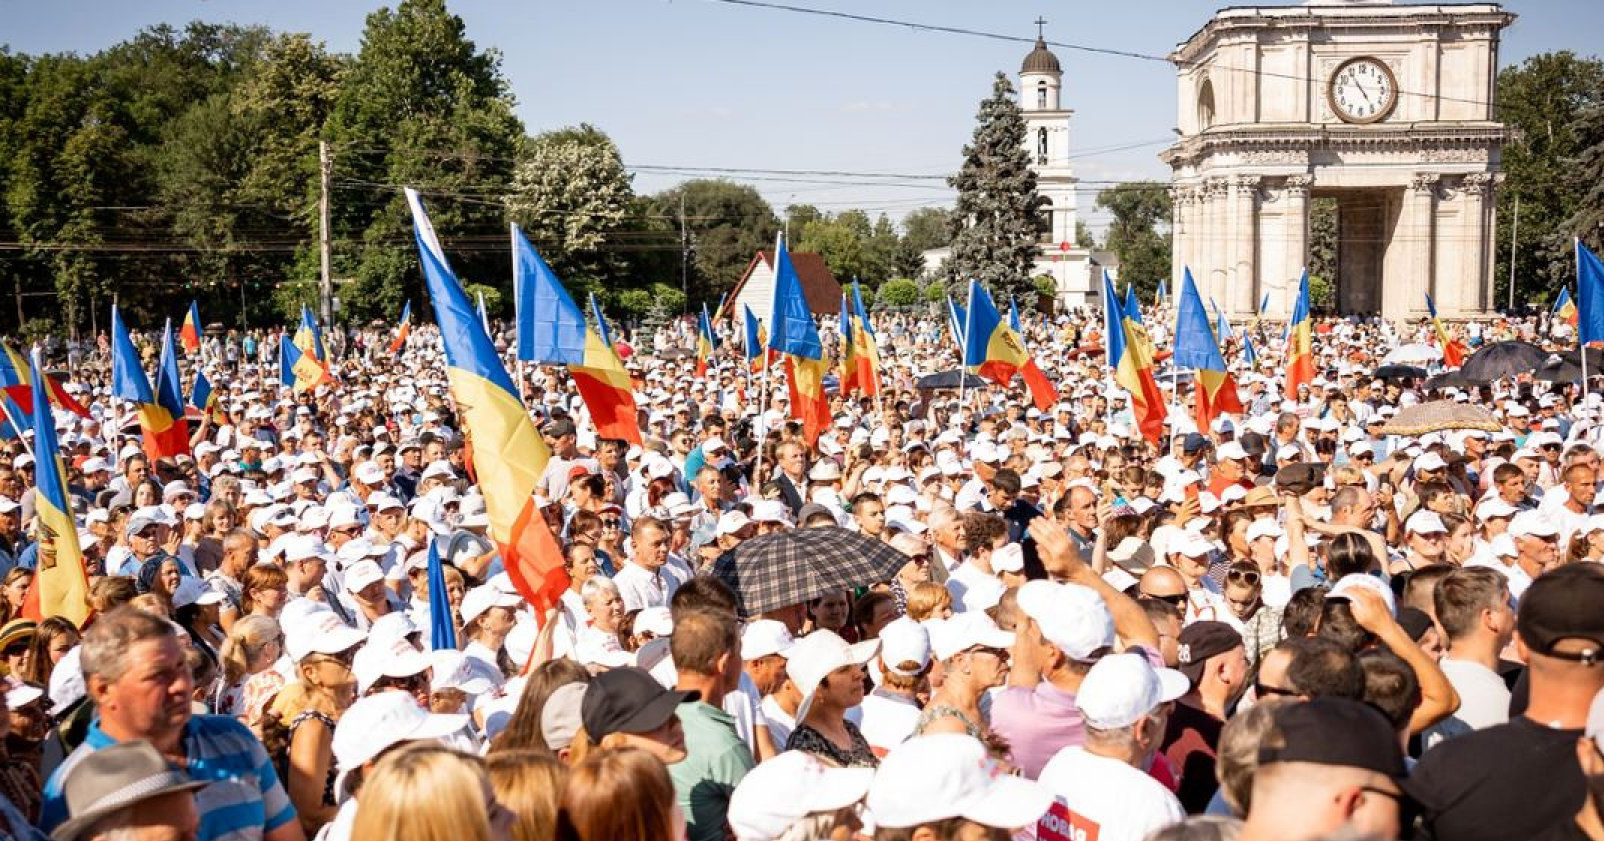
(797, 565)
(1438, 416)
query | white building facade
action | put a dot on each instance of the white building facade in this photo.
(1070, 266)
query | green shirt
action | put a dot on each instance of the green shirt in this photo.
(715, 761)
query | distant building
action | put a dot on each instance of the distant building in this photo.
(755, 289)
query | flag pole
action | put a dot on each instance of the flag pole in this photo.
(11, 419)
(1581, 346)
(763, 353)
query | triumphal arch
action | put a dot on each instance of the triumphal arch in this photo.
(1388, 109)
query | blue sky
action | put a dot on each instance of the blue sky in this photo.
(699, 83)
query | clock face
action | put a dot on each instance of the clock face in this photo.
(1362, 90)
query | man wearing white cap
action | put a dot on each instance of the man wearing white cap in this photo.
(931, 780)
(1536, 550)
(1102, 791)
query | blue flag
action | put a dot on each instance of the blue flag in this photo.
(1195, 346)
(1113, 324)
(442, 634)
(791, 327)
(602, 329)
(1589, 295)
(551, 329)
(200, 394)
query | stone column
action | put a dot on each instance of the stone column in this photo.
(1179, 233)
(1211, 273)
(1469, 294)
(1282, 285)
(1239, 298)
(1405, 296)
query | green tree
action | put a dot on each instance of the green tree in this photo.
(841, 246)
(1140, 209)
(994, 227)
(726, 223)
(572, 197)
(1323, 221)
(1546, 101)
(420, 106)
(927, 227)
(1083, 235)
(899, 292)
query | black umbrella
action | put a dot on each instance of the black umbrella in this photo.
(950, 379)
(798, 565)
(1567, 367)
(1503, 359)
(1451, 379)
(1398, 372)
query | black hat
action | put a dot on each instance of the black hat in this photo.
(1415, 622)
(628, 701)
(1333, 731)
(1193, 442)
(1201, 640)
(1564, 604)
(1300, 478)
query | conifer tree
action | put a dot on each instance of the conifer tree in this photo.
(995, 227)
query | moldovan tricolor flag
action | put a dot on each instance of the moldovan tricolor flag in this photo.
(1133, 368)
(1453, 353)
(706, 342)
(793, 334)
(864, 369)
(159, 428)
(309, 339)
(753, 340)
(296, 368)
(1196, 348)
(551, 330)
(989, 345)
(1042, 392)
(1300, 342)
(190, 333)
(509, 452)
(60, 587)
(402, 330)
(1565, 307)
(18, 386)
(169, 388)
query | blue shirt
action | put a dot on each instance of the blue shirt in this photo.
(242, 800)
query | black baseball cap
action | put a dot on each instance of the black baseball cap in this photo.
(1193, 442)
(1201, 640)
(628, 701)
(1333, 731)
(1561, 604)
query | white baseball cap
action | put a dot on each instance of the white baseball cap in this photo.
(320, 632)
(1121, 688)
(453, 671)
(763, 637)
(1532, 524)
(362, 573)
(192, 590)
(770, 511)
(482, 598)
(965, 631)
(1071, 616)
(1425, 522)
(904, 641)
(776, 794)
(812, 658)
(948, 775)
(1264, 527)
(1493, 508)
(375, 723)
(1009, 558)
(1429, 461)
(1189, 543)
(392, 657)
(731, 522)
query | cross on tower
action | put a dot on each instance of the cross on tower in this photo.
(1040, 22)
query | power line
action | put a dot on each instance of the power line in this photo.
(1018, 39)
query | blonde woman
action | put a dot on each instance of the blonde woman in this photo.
(427, 792)
(251, 647)
(529, 784)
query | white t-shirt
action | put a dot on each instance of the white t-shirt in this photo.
(887, 722)
(780, 722)
(639, 588)
(1483, 701)
(972, 589)
(1103, 798)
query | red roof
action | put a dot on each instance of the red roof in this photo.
(820, 287)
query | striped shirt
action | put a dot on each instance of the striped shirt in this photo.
(244, 797)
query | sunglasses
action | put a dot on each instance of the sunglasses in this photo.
(1262, 691)
(1176, 600)
(609, 524)
(1249, 577)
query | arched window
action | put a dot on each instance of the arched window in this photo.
(1044, 220)
(1041, 146)
(1041, 95)
(1205, 105)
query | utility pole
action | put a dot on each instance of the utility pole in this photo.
(326, 286)
(684, 254)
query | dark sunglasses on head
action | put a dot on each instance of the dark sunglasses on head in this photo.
(1249, 577)
(1177, 599)
(1262, 691)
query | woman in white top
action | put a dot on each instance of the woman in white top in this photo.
(572, 616)
(600, 644)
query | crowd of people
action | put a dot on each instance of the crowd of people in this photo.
(1291, 623)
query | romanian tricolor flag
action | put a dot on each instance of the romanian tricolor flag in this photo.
(402, 330)
(60, 586)
(1453, 353)
(706, 342)
(794, 335)
(990, 346)
(297, 369)
(169, 388)
(1042, 392)
(1300, 341)
(608, 392)
(1565, 307)
(164, 432)
(190, 333)
(309, 340)
(1214, 392)
(1133, 368)
(18, 386)
(509, 452)
(202, 397)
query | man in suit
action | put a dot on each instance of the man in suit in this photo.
(792, 476)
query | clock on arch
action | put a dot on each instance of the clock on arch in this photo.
(1362, 90)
